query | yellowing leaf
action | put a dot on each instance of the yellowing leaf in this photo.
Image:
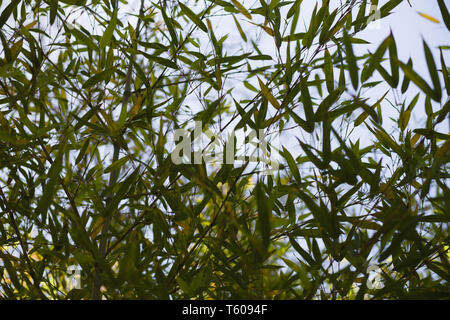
(36, 256)
(428, 17)
(136, 107)
(269, 96)
(387, 190)
(414, 139)
(404, 119)
(416, 184)
(267, 29)
(30, 25)
(112, 126)
(242, 9)
(97, 227)
(443, 151)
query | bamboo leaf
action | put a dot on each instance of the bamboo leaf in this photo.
(307, 104)
(388, 7)
(53, 177)
(351, 60)
(295, 7)
(445, 14)
(241, 32)
(117, 164)
(191, 15)
(53, 10)
(292, 165)
(445, 73)
(414, 77)
(170, 27)
(428, 17)
(328, 70)
(263, 214)
(433, 70)
(242, 9)
(7, 12)
(162, 61)
(303, 253)
(375, 59)
(269, 96)
(393, 60)
(80, 36)
(107, 35)
(99, 77)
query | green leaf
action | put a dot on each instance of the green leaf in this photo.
(263, 214)
(388, 7)
(375, 59)
(351, 60)
(368, 111)
(117, 164)
(25, 120)
(99, 77)
(294, 37)
(53, 10)
(294, 8)
(406, 80)
(260, 57)
(292, 165)
(393, 60)
(241, 32)
(53, 176)
(360, 18)
(208, 114)
(445, 73)
(307, 104)
(80, 36)
(107, 35)
(7, 12)
(326, 104)
(82, 151)
(431, 133)
(163, 61)
(326, 132)
(322, 217)
(414, 77)
(328, 70)
(123, 116)
(433, 70)
(170, 27)
(124, 187)
(245, 117)
(305, 255)
(292, 265)
(387, 141)
(311, 156)
(445, 14)
(127, 265)
(191, 15)
(298, 120)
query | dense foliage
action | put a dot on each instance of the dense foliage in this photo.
(91, 92)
